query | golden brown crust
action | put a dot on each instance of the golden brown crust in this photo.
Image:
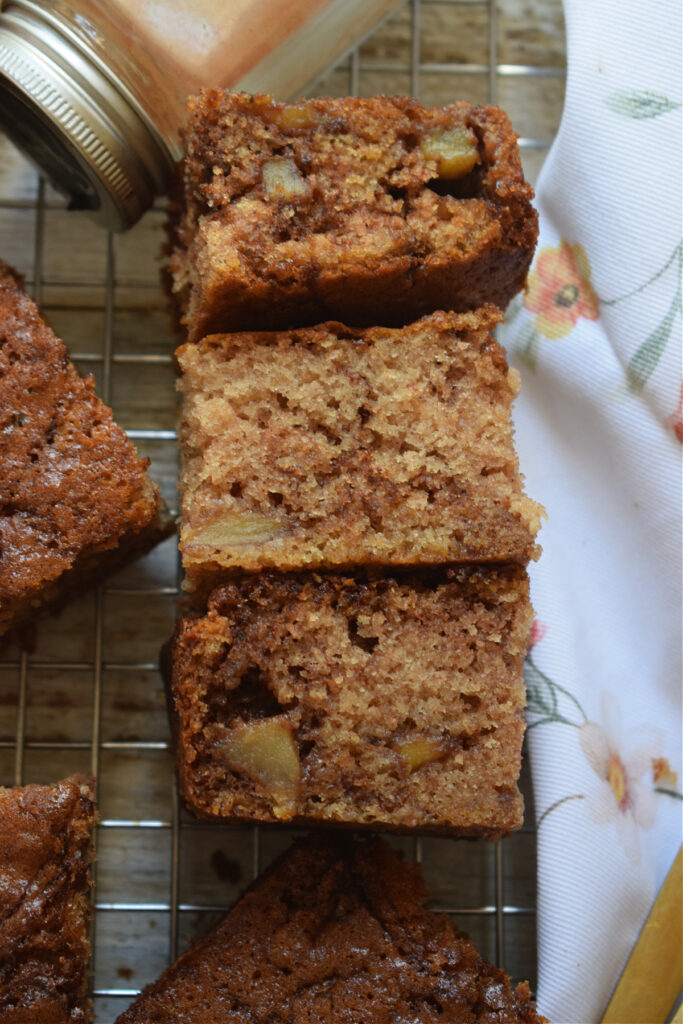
(403, 699)
(334, 931)
(45, 853)
(370, 234)
(72, 486)
(335, 447)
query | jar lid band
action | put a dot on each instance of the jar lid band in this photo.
(76, 123)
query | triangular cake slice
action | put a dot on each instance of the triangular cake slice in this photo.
(75, 498)
(334, 931)
(45, 854)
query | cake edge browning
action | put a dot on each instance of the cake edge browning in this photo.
(87, 572)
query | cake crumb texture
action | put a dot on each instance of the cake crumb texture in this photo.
(332, 446)
(370, 211)
(45, 854)
(388, 703)
(334, 931)
(75, 498)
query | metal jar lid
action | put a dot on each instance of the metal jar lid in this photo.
(75, 121)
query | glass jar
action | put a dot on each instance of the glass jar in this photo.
(94, 91)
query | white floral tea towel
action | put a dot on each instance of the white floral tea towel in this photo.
(600, 426)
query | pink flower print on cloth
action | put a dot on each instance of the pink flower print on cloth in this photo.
(559, 290)
(675, 420)
(560, 293)
(622, 796)
(538, 631)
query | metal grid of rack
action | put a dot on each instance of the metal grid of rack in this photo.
(88, 697)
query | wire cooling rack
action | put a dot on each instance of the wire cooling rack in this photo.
(88, 698)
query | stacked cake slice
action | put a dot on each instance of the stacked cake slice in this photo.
(371, 212)
(391, 702)
(355, 532)
(355, 538)
(333, 446)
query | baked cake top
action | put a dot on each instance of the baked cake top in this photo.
(45, 853)
(333, 153)
(334, 931)
(71, 482)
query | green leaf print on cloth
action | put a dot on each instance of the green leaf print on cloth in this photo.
(643, 364)
(640, 104)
